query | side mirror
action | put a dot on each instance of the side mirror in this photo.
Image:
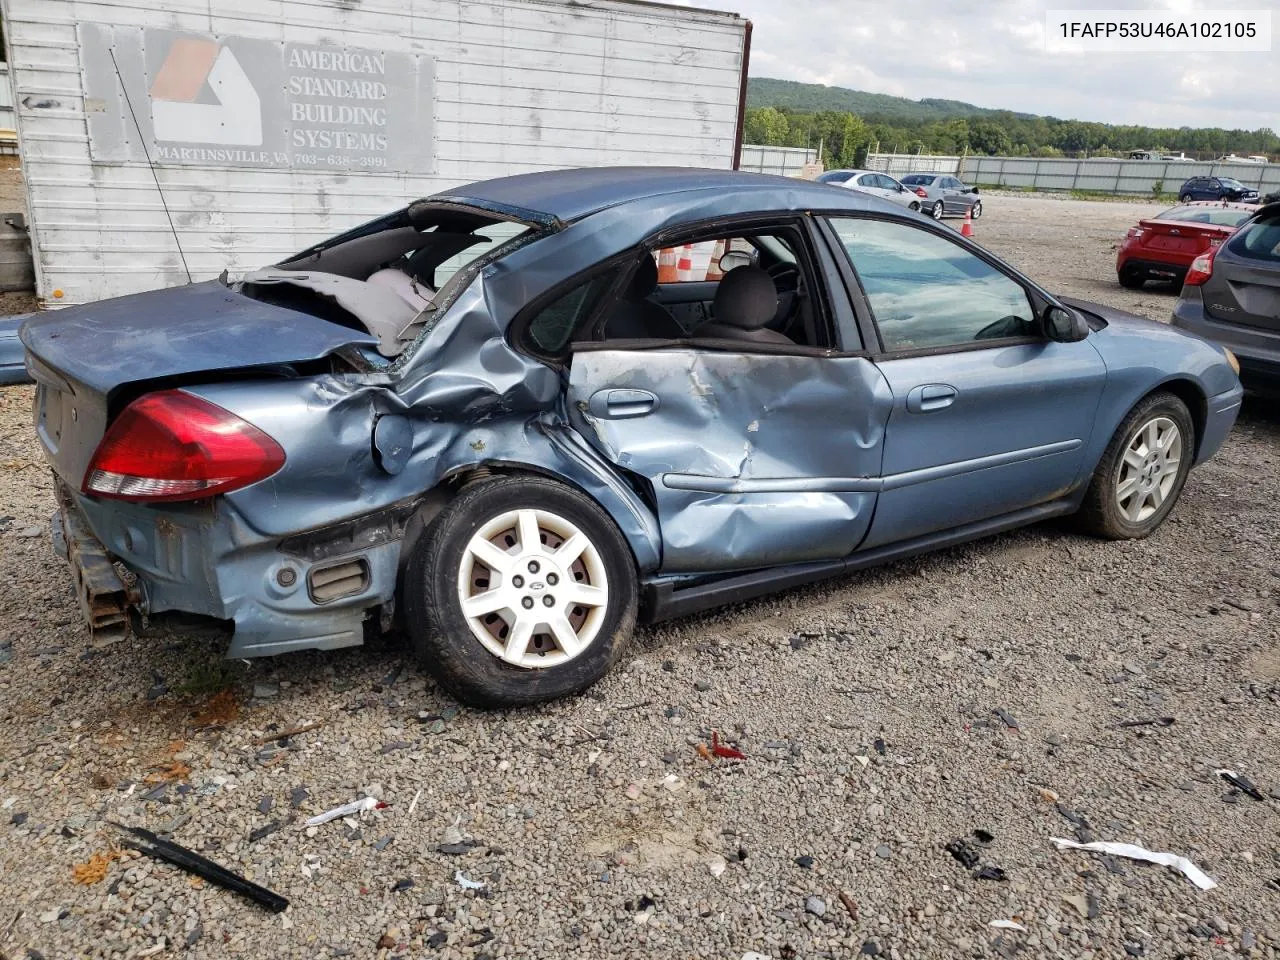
(1063, 325)
(735, 258)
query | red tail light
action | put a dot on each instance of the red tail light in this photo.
(171, 445)
(1201, 269)
(922, 192)
(1134, 233)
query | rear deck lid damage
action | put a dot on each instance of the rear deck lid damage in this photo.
(179, 331)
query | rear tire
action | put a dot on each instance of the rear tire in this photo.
(1185, 198)
(936, 210)
(1132, 278)
(1142, 471)
(914, 207)
(551, 585)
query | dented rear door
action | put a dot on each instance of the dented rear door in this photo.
(753, 459)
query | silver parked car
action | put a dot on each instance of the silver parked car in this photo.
(877, 184)
(943, 195)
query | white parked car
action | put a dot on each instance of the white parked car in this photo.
(869, 181)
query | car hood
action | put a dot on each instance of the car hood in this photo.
(178, 331)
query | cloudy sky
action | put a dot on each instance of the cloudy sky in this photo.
(992, 53)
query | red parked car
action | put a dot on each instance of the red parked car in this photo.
(1162, 247)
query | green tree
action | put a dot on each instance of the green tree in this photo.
(989, 137)
(765, 125)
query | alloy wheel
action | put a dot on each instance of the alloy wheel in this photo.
(533, 588)
(1149, 469)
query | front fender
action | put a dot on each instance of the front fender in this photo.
(1143, 355)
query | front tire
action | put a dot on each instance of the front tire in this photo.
(1142, 471)
(522, 590)
(977, 210)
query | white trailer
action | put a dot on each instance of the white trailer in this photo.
(162, 141)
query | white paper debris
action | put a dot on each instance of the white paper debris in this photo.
(1007, 925)
(414, 805)
(717, 865)
(363, 805)
(1192, 872)
(752, 955)
(466, 883)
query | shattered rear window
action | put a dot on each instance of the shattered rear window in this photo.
(495, 235)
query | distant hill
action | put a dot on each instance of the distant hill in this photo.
(813, 97)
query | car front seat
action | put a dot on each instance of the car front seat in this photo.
(745, 301)
(638, 318)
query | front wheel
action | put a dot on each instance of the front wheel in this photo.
(522, 590)
(1142, 472)
(977, 210)
(937, 210)
(914, 207)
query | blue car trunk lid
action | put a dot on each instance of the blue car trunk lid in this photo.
(83, 358)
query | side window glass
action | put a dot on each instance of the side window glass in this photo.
(927, 291)
(555, 323)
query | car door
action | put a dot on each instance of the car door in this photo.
(753, 454)
(947, 193)
(895, 191)
(989, 417)
(870, 183)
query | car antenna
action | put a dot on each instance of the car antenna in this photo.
(150, 164)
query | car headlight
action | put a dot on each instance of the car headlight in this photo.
(1231, 359)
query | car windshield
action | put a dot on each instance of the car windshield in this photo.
(1233, 184)
(1219, 216)
(918, 180)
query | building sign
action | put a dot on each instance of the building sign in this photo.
(181, 98)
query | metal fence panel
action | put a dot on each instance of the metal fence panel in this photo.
(1110, 175)
(784, 161)
(897, 164)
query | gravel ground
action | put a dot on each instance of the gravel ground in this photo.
(865, 709)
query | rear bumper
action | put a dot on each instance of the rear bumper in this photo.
(1257, 350)
(1154, 267)
(204, 559)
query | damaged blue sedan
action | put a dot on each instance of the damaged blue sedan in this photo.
(515, 418)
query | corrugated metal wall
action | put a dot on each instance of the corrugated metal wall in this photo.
(784, 161)
(1111, 176)
(519, 85)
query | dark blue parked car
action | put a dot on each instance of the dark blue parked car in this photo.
(1216, 188)
(483, 418)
